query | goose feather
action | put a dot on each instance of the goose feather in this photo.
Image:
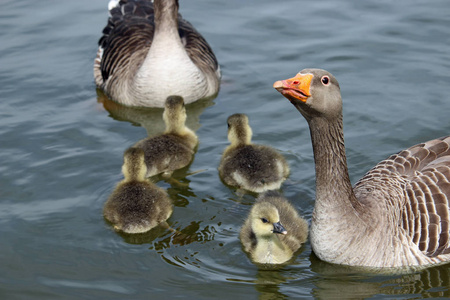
(149, 52)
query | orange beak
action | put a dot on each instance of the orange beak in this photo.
(295, 88)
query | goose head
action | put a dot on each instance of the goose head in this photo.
(314, 92)
(134, 167)
(174, 115)
(265, 220)
(239, 131)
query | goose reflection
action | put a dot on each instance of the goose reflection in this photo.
(151, 118)
(163, 237)
(345, 282)
(268, 283)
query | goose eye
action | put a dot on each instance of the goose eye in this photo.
(325, 80)
(264, 220)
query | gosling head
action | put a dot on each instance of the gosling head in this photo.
(239, 131)
(174, 115)
(134, 167)
(265, 220)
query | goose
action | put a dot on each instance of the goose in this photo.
(136, 205)
(175, 148)
(248, 166)
(149, 52)
(396, 215)
(273, 230)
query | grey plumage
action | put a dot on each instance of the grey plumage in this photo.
(397, 215)
(423, 173)
(129, 74)
(264, 245)
(256, 168)
(175, 148)
(136, 205)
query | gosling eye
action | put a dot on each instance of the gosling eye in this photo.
(264, 220)
(228, 125)
(325, 80)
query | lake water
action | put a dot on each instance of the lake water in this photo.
(62, 145)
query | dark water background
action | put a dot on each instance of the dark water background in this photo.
(62, 145)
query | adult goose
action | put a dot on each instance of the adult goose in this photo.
(149, 52)
(397, 215)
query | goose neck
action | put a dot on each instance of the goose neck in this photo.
(333, 186)
(166, 16)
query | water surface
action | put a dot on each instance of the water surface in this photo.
(62, 145)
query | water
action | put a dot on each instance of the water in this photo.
(62, 145)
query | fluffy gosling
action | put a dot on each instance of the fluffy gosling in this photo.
(273, 231)
(256, 168)
(136, 205)
(175, 148)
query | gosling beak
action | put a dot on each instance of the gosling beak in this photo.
(278, 228)
(295, 88)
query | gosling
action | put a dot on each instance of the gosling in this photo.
(136, 205)
(256, 168)
(273, 231)
(175, 148)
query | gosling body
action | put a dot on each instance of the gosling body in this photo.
(273, 231)
(136, 205)
(248, 166)
(175, 148)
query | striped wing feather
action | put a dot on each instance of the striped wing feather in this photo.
(197, 48)
(423, 171)
(126, 40)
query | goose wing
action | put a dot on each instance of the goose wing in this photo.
(420, 176)
(125, 41)
(426, 212)
(197, 48)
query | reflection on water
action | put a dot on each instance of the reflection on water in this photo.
(268, 284)
(162, 237)
(342, 282)
(151, 118)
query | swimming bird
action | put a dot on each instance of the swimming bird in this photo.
(175, 148)
(136, 205)
(149, 52)
(397, 215)
(248, 166)
(273, 230)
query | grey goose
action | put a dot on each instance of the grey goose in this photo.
(397, 215)
(149, 52)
